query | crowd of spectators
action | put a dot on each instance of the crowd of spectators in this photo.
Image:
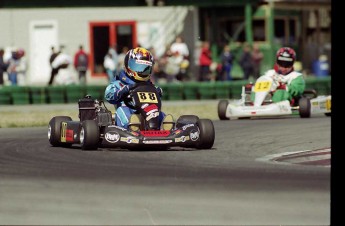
(173, 66)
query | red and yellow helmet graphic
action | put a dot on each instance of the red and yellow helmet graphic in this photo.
(138, 64)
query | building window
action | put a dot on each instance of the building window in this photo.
(285, 31)
(106, 34)
(259, 30)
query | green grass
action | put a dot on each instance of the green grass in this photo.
(37, 118)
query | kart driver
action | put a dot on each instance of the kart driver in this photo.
(290, 84)
(138, 65)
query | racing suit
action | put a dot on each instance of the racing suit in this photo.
(115, 93)
(289, 86)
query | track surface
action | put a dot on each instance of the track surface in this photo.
(226, 185)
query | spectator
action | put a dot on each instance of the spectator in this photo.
(114, 55)
(172, 67)
(226, 61)
(81, 63)
(257, 57)
(180, 48)
(54, 71)
(61, 61)
(205, 60)
(21, 69)
(3, 66)
(246, 62)
(14, 66)
(109, 66)
(121, 58)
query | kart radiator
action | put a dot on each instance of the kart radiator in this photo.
(87, 108)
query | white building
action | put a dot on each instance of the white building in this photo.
(36, 30)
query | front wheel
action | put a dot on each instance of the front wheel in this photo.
(54, 131)
(207, 134)
(186, 119)
(89, 135)
(222, 106)
(304, 107)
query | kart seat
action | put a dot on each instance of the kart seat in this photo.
(134, 122)
(168, 122)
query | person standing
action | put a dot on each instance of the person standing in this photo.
(109, 66)
(121, 58)
(180, 49)
(13, 67)
(61, 61)
(205, 60)
(246, 62)
(54, 71)
(257, 57)
(180, 46)
(3, 66)
(227, 59)
(81, 63)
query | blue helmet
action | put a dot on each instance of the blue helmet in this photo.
(138, 64)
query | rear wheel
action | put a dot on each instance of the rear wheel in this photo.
(207, 134)
(304, 107)
(54, 131)
(222, 106)
(89, 135)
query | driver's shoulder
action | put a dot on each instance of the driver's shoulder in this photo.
(295, 74)
(269, 73)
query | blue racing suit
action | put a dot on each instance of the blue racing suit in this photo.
(116, 91)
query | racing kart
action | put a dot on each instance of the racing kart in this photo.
(263, 106)
(96, 126)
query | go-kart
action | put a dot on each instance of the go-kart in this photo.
(263, 106)
(96, 126)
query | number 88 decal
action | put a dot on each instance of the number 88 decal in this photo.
(147, 97)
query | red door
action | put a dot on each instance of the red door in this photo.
(106, 34)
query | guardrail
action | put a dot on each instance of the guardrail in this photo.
(16, 95)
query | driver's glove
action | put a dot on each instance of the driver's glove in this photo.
(160, 91)
(124, 91)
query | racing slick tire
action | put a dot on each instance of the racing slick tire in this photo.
(207, 134)
(54, 131)
(89, 135)
(186, 119)
(222, 106)
(304, 107)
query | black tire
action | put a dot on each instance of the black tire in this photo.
(328, 114)
(186, 119)
(222, 105)
(207, 134)
(304, 107)
(54, 131)
(89, 135)
(311, 93)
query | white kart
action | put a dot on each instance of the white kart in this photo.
(263, 106)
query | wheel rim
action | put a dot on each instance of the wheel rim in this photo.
(82, 135)
(49, 132)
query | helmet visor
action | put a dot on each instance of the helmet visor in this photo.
(285, 62)
(142, 67)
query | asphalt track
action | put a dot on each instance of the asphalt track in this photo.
(234, 183)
